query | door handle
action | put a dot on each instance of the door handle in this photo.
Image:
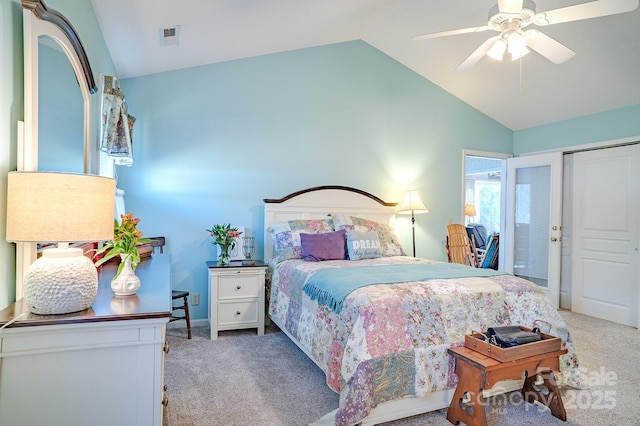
(554, 239)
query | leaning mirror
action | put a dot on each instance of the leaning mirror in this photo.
(46, 25)
(49, 26)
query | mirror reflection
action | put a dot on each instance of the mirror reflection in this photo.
(60, 111)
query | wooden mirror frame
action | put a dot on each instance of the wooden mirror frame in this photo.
(41, 11)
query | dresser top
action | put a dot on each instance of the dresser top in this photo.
(153, 299)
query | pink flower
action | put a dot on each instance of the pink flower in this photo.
(224, 235)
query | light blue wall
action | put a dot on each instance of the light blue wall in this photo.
(605, 126)
(211, 142)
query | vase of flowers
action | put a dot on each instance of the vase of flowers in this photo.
(126, 282)
(126, 236)
(225, 237)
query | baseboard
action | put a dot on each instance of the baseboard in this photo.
(194, 323)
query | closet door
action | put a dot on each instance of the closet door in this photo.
(606, 216)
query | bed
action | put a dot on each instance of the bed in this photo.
(383, 342)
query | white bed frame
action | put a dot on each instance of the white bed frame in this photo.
(317, 203)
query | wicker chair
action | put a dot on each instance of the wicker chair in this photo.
(460, 249)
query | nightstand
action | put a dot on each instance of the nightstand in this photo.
(236, 296)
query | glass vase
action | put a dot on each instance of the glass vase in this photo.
(223, 257)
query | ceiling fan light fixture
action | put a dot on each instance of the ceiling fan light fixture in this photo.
(497, 50)
(519, 54)
(510, 17)
(517, 45)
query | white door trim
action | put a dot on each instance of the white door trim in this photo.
(587, 146)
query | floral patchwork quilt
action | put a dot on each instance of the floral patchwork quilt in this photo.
(390, 341)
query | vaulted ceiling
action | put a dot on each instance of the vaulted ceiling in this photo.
(603, 75)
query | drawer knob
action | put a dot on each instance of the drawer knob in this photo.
(165, 348)
(238, 287)
(165, 401)
(237, 312)
(165, 388)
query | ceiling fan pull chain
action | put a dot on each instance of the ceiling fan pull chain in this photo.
(520, 75)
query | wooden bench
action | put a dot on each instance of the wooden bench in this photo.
(477, 373)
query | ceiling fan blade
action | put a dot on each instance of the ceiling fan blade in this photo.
(549, 48)
(452, 32)
(593, 9)
(477, 54)
(510, 6)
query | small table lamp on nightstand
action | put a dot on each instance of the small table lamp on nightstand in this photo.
(60, 208)
(248, 249)
(412, 204)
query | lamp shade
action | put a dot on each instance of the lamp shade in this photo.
(59, 207)
(470, 209)
(412, 203)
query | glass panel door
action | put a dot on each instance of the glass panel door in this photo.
(531, 254)
(532, 234)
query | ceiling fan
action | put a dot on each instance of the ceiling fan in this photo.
(510, 17)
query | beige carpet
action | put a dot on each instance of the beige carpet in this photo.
(244, 379)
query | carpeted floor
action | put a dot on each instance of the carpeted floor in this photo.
(244, 379)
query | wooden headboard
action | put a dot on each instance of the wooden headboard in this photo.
(320, 201)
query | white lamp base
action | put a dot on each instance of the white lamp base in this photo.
(62, 281)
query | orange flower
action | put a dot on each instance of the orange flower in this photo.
(125, 239)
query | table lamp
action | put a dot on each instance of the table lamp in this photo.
(248, 248)
(412, 204)
(60, 208)
(470, 212)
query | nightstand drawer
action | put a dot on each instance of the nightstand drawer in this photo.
(237, 313)
(238, 286)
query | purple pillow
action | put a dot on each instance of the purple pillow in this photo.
(323, 246)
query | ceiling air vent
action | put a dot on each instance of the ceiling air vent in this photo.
(169, 35)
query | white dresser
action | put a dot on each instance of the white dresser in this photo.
(101, 366)
(236, 297)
